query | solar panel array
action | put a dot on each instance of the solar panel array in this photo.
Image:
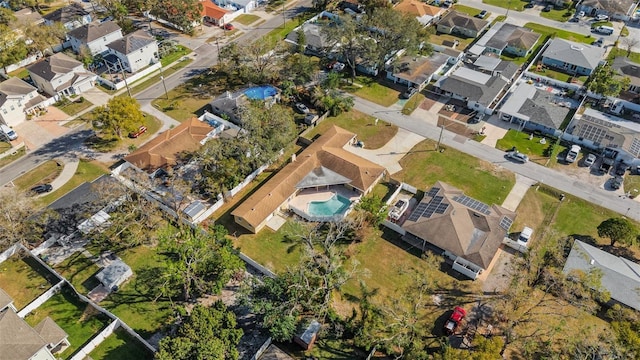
(473, 204)
(428, 209)
(433, 191)
(505, 223)
(591, 132)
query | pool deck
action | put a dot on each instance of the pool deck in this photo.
(305, 196)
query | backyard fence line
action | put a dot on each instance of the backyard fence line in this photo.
(231, 193)
(8, 253)
(41, 299)
(129, 80)
(95, 341)
(255, 265)
(320, 119)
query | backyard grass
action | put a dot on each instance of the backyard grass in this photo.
(108, 144)
(24, 279)
(247, 19)
(423, 166)
(441, 39)
(144, 83)
(632, 185)
(79, 270)
(560, 76)
(281, 32)
(536, 151)
(271, 248)
(517, 5)
(134, 301)
(633, 56)
(44, 173)
(174, 55)
(363, 125)
(413, 103)
(562, 34)
(79, 320)
(624, 32)
(471, 11)
(369, 89)
(87, 171)
(73, 106)
(120, 346)
(561, 15)
(20, 73)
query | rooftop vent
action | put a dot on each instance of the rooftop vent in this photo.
(577, 48)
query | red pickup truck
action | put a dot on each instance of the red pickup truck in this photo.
(451, 326)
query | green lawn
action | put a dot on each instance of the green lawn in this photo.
(562, 34)
(24, 279)
(553, 74)
(517, 5)
(369, 89)
(79, 320)
(413, 103)
(43, 173)
(73, 106)
(175, 55)
(247, 19)
(134, 302)
(271, 248)
(87, 171)
(120, 346)
(20, 73)
(363, 125)
(537, 152)
(595, 24)
(11, 158)
(423, 166)
(471, 11)
(561, 15)
(633, 56)
(79, 270)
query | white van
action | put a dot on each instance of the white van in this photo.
(525, 235)
(605, 30)
(8, 132)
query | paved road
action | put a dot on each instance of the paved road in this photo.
(558, 180)
(205, 57)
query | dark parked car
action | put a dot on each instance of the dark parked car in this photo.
(302, 108)
(616, 182)
(529, 5)
(574, 19)
(42, 188)
(621, 168)
(547, 8)
(409, 93)
(598, 42)
(141, 130)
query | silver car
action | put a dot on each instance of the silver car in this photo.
(517, 156)
(589, 160)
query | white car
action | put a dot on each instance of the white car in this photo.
(589, 160)
(601, 17)
(572, 155)
(525, 235)
(581, 14)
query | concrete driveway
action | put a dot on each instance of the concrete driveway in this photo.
(41, 130)
(391, 153)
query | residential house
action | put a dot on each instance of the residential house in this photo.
(416, 71)
(133, 52)
(628, 68)
(479, 85)
(572, 58)
(214, 14)
(17, 99)
(237, 6)
(19, 341)
(537, 109)
(461, 24)
(229, 106)
(461, 228)
(504, 38)
(316, 42)
(6, 301)
(163, 152)
(28, 17)
(597, 130)
(95, 36)
(71, 16)
(324, 165)
(616, 9)
(426, 14)
(619, 277)
(114, 274)
(60, 75)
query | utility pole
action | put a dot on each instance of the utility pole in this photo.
(218, 46)
(284, 16)
(163, 84)
(124, 76)
(440, 137)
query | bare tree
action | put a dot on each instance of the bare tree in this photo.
(21, 220)
(629, 42)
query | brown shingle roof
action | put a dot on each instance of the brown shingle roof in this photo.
(18, 340)
(418, 69)
(15, 86)
(95, 30)
(326, 151)
(164, 149)
(131, 42)
(461, 230)
(454, 18)
(50, 331)
(53, 65)
(523, 39)
(5, 299)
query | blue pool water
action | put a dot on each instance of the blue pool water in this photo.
(261, 92)
(334, 206)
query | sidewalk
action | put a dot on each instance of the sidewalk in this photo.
(519, 190)
(68, 171)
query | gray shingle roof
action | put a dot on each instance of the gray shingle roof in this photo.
(454, 18)
(92, 31)
(582, 55)
(475, 85)
(15, 86)
(627, 68)
(620, 276)
(55, 64)
(50, 331)
(114, 274)
(5, 299)
(67, 13)
(538, 106)
(131, 42)
(612, 6)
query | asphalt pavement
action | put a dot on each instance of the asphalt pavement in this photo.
(539, 173)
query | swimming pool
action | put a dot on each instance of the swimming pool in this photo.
(334, 206)
(261, 92)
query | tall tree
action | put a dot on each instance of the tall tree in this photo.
(207, 333)
(182, 13)
(20, 219)
(629, 43)
(351, 36)
(12, 49)
(6, 16)
(606, 81)
(119, 116)
(199, 262)
(45, 37)
(618, 230)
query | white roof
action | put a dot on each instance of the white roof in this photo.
(472, 75)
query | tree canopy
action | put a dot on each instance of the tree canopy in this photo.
(182, 13)
(606, 81)
(207, 333)
(118, 117)
(618, 230)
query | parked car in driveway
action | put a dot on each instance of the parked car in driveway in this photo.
(301, 108)
(229, 26)
(616, 182)
(41, 189)
(409, 93)
(482, 14)
(598, 42)
(529, 5)
(601, 17)
(517, 156)
(141, 130)
(580, 14)
(590, 160)
(477, 118)
(573, 153)
(525, 235)
(547, 8)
